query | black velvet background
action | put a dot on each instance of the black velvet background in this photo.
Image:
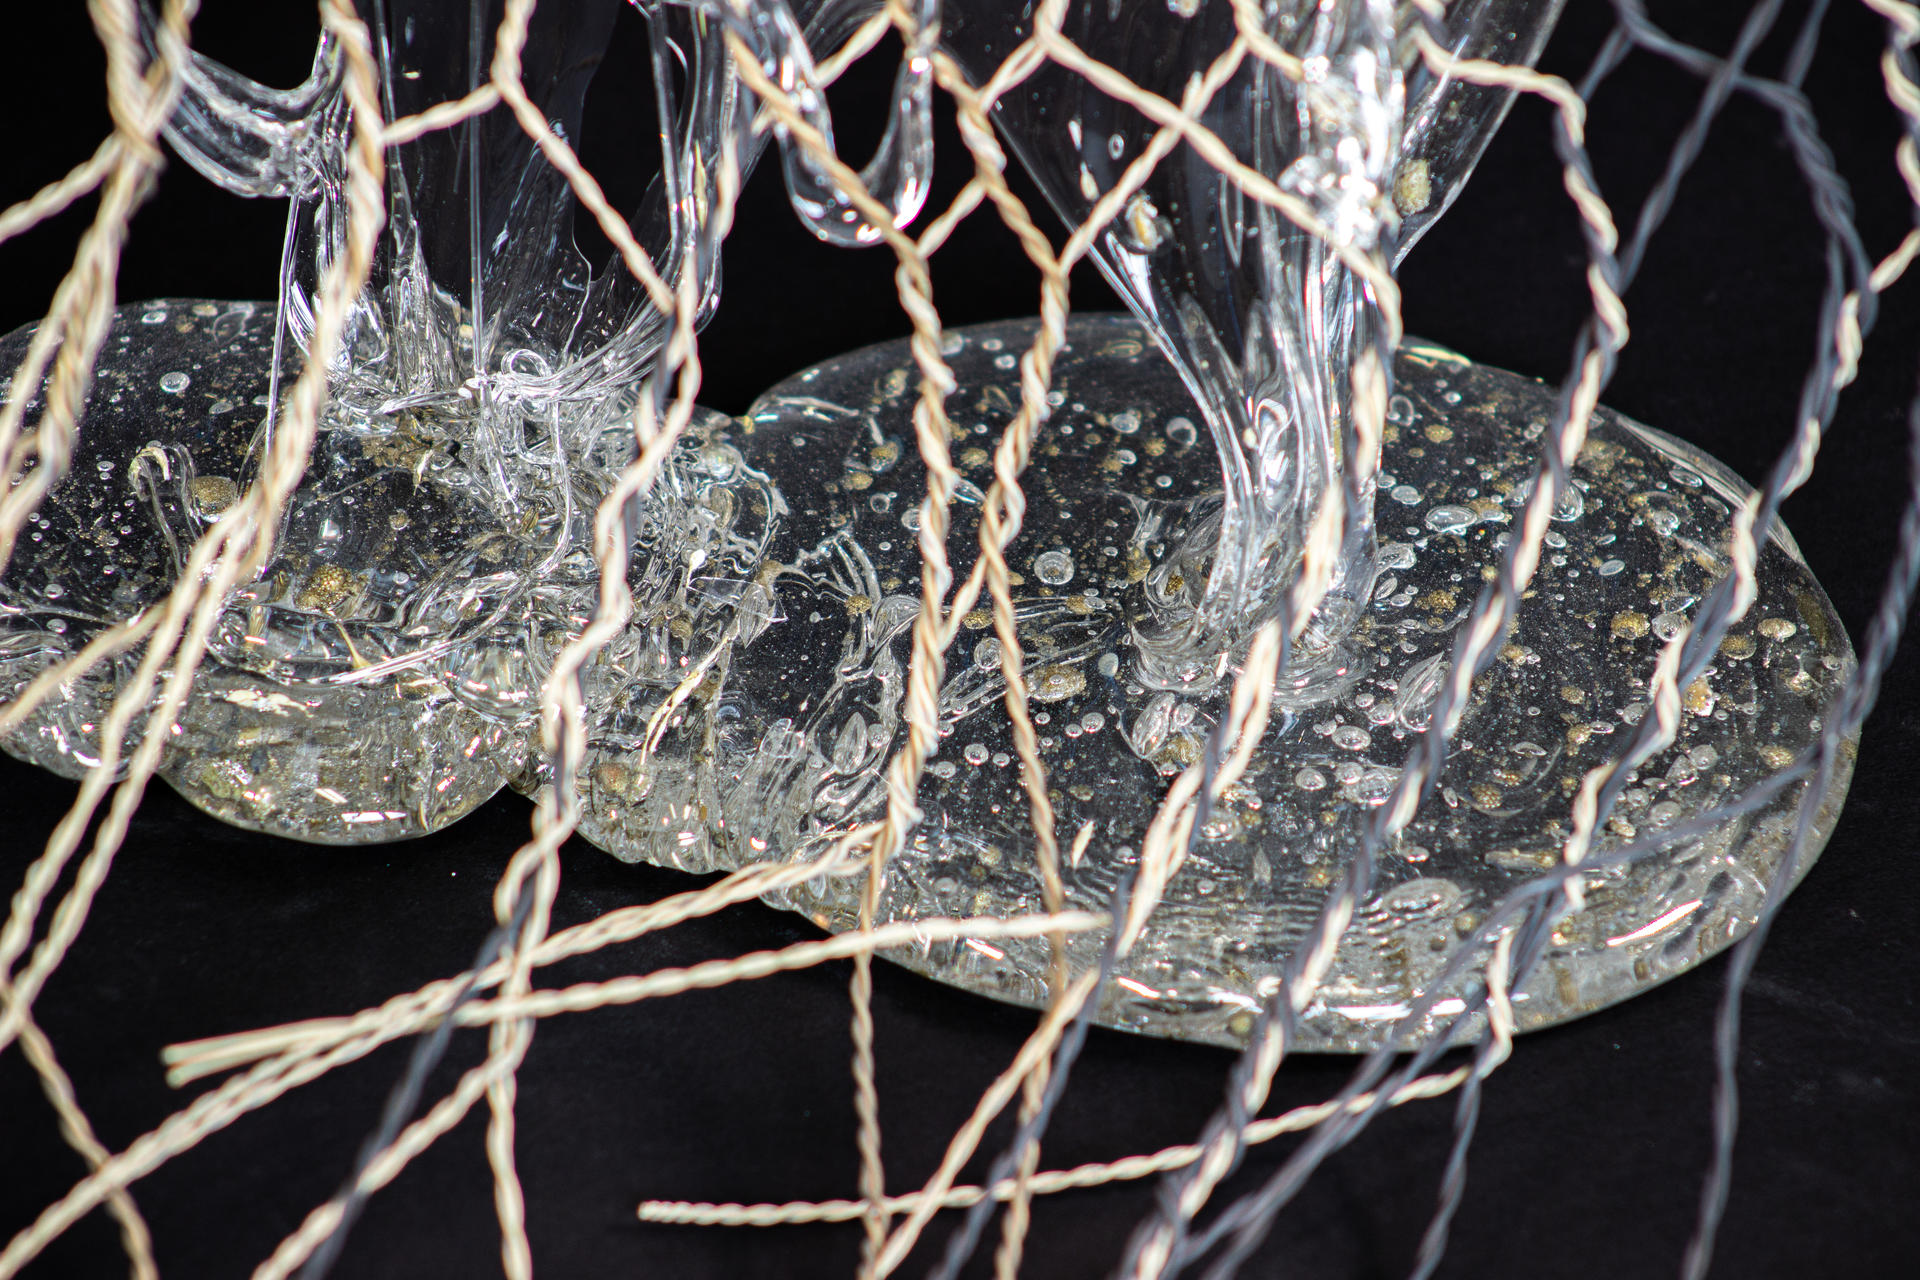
(1594, 1137)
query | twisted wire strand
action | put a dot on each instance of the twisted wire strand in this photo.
(218, 560)
(1434, 1240)
(1251, 702)
(58, 195)
(235, 545)
(267, 1080)
(139, 101)
(929, 644)
(419, 1009)
(1504, 918)
(1223, 1268)
(1016, 1158)
(524, 897)
(1856, 699)
(1004, 503)
(1488, 1054)
(1080, 1177)
(1646, 226)
(927, 666)
(1156, 1244)
(339, 1212)
(237, 542)
(135, 1236)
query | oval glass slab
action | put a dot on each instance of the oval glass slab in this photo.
(774, 738)
(378, 679)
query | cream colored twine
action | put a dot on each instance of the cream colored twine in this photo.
(139, 100)
(1129, 1168)
(271, 1061)
(235, 545)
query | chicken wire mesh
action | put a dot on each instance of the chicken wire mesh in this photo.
(145, 87)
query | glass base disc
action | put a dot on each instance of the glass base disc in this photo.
(379, 679)
(780, 745)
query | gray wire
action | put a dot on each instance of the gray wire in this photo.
(1833, 208)
(404, 1097)
(966, 1239)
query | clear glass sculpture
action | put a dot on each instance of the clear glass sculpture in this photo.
(382, 675)
(1187, 452)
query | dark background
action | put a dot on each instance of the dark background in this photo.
(1594, 1137)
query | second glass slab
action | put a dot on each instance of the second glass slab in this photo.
(765, 731)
